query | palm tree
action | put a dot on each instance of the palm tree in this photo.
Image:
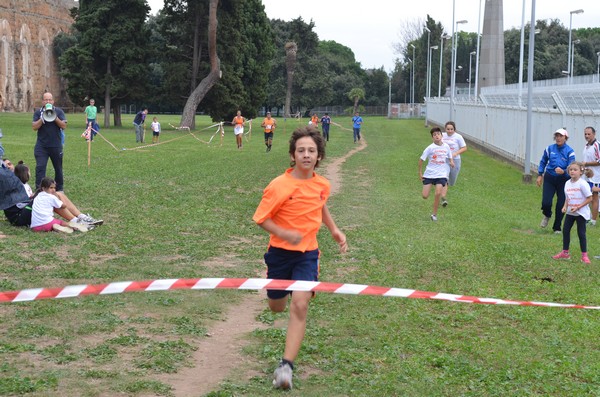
(291, 49)
(356, 94)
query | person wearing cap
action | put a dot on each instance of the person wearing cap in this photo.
(552, 176)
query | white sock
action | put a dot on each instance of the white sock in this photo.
(73, 220)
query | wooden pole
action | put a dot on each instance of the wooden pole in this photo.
(89, 151)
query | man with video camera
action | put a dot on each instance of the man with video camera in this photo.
(49, 122)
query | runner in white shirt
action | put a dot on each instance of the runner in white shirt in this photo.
(457, 145)
(439, 160)
(591, 161)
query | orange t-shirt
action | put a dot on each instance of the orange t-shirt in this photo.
(269, 124)
(294, 204)
(315, 120)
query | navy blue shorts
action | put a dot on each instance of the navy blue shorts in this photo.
(290, 265)
(435, 181)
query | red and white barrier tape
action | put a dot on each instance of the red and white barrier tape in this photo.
(257, 284)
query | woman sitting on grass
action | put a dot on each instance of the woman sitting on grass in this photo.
(20, 213)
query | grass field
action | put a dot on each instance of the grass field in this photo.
(183, 210)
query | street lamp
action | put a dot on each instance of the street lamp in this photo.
(410, 83)
(598, 62)
(428, 80)
(444, 37)
(573, 56)
(470, 60)
(433, 47)
(412, 92)
(390, 95)
(427, 91)
(427, 77)
(477, 57)
(580, 11)
(453, 79)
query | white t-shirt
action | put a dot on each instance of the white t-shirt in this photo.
(437, 157)
(29, 193)
(155, 126)
(591, 154)
(455, 141)
(42, 210)
(576, 193)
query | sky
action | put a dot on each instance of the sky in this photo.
(370, 28)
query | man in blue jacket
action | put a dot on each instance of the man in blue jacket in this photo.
(49, 144)
(552, 171)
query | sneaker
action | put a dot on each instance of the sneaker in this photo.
(585, 258)
(444, 202)
(58, 228)
(591, 222)
(83, 228)
(282, 377)
(562, 255)
(544, 222)
(434, 218)
(85, 218)
(557, 232)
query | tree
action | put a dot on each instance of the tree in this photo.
(291, 50)
(109, 58)
(355, 95)
(189, 111)
(245, 47)
(312, 80)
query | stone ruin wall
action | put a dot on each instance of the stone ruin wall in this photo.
(28, 67)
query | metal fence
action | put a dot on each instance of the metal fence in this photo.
(498, 120)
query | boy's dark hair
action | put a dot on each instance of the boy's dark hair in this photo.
(435, 129)
(303, 132)
(22, 172)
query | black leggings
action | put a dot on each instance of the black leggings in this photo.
(569, 221)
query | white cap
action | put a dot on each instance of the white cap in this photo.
(562, 132)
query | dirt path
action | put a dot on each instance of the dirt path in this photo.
(220, 353)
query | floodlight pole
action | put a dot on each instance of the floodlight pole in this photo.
(427, 78)
(521, 51)
(580, 11)
(530, 65)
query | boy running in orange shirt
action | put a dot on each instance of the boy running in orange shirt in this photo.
(269, 125)
(292, 209)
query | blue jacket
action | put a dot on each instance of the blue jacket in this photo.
(556, 156)
(11, 189)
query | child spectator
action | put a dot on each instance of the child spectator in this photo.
(42, 214)
(578, 196)
(155, 130)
